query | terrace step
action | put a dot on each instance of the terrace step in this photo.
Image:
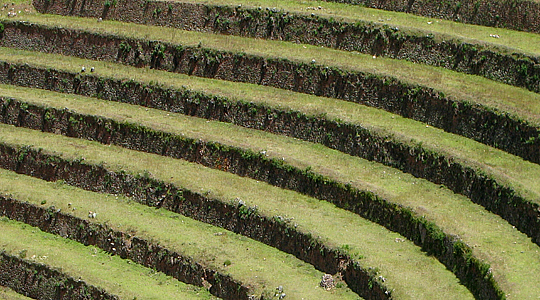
(188, 250)
(464, 48)
(427, 201)
(115, 275)
(216, 150)
(502, 183)
(402, 264)
(516, 15)
(490, 112)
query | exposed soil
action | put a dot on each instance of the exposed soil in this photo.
(38, 281)
(482, 124)
(451, 252)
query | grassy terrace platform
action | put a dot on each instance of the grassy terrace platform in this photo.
(257, 266)
(500, 104)
(9, 294)
(522, 42)
(492, 238)
(115, 275)
(264, 171)
(473, 89)
(402, 264)
(507, 170)
(507, 14)
(463, 48)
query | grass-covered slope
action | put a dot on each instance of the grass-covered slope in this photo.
(80, 263)
(492, 113)
(500, 182)
(349, 172)
(9, 294)
(359, 239)
(503, 55)
(289, 167)
(187, 250)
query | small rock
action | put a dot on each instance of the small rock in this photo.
(327, 282)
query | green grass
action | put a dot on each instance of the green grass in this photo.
(402, 263)
(491, 237)
(508, 169)
(407, 23)
(8, 294)
(252, 263)
(487, 242)
(475, 89)
(117, 276)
